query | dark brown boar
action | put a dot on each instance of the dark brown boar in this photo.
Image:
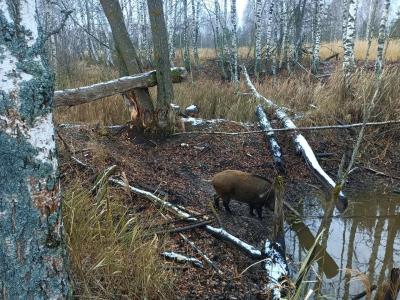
(252, 189)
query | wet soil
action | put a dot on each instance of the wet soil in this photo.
(176, 169)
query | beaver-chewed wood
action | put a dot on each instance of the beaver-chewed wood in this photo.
(300, 142)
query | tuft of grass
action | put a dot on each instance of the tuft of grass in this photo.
(109, 256)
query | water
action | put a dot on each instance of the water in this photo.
(366, 239)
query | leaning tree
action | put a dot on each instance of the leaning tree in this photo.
(32, 251)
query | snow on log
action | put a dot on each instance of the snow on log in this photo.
(274, 146)
(71, 97)
(300, 142)
(217, 232)
(275, 266)
(182, 258)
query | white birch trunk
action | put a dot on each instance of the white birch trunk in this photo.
(348, 42)
(186, 54)
(258, 39)
(318, 5)
(32, 251)
(195, 31)
(234, 43)
(382, 38)
(368, 35)
(269, 36)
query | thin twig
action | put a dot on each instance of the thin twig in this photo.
(323, 127)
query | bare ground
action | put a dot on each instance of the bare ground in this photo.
(175, 168)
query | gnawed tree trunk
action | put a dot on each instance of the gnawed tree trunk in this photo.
(300, 143)
(164, 116)
(139, 100)
(32, 250)
(85, 94)
(382, 39)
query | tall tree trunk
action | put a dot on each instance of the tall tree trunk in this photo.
(195, 31)
(140, 104)
(186, 54)
(368, 35)
(298, 30)
(348, 42)
(165, 93)
(381, 39)
(269, 37)
(318, 5)
(32, 249)
(170, 29)
(257, 57)
(234, 74)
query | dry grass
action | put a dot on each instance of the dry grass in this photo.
(392, 53)
(320, 101)
(110, 259)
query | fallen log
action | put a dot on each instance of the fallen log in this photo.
(277, 267)
(217, 232)
(300, 143)
(275, 149)
(182, 258)
(85, 94)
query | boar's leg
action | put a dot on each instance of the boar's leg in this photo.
(216, 201)
(251, 207)
(225, 201)
(259, 211)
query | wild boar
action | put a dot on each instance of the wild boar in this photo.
(254, 190)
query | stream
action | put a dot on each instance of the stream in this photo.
(365, 239)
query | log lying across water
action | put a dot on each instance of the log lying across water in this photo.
(85, 94)
(300, 142)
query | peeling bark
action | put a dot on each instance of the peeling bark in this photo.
(32, 251)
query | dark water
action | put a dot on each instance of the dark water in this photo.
(365, 239)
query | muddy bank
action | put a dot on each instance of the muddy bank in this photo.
(175, 168)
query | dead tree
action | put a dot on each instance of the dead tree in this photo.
(139, 100)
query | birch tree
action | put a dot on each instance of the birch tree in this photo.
(382, 38)
(186, 54)
(348, 42)
(368, 35)
(234, 43)
(195, 31)
(269, 35)
(32, 250)
(257, 57)
(318, 6)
